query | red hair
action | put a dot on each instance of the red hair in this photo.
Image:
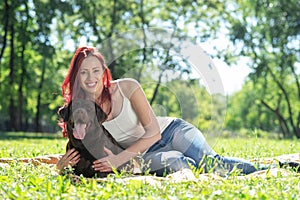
(71, 87)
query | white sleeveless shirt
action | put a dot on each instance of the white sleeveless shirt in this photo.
(126, 128)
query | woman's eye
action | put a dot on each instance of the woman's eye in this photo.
(82, 72)
(96, 71)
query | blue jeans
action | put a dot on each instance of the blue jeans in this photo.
(183, 145)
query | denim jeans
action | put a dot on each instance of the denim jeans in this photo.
(183, 145)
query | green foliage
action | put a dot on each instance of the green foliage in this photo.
(246, 110)
(266, 32)
(38, 38)
(42, 36)
(28, 66)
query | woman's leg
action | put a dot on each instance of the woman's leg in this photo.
(182, 145)
(228, 163)
(162, 163)
(161, 158)
(190, 141)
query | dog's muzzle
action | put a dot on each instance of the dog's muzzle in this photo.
(81, 119)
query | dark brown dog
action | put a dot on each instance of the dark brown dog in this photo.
(87, 135)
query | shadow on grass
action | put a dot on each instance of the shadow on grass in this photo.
(28, 135)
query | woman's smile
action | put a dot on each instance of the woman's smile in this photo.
(91, 84)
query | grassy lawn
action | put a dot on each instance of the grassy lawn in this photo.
(26, 181)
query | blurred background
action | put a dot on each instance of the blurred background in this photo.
(254, 45)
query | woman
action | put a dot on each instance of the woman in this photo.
(166, 144)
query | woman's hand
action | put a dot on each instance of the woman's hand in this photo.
(71, 158)
(107, 163)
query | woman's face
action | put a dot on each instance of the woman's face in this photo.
(90, 74)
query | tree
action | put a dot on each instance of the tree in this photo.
(38, 38)
(25, 43)
(267, 32)
(246, 111)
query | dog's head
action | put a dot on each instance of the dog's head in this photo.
(81, 115)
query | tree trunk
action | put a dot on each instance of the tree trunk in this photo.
(38, 127)
(12, 117)
(295, 130)
(282, 122)
(163, 68)
(19, 117)
(156, 88)
(112, 28)
(6, 19)
(141, 14)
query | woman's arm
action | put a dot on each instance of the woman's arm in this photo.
(134, 92)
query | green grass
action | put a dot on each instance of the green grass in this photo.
(26, 181)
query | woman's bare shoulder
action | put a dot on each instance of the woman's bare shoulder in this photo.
(128, 86)
(125, 81)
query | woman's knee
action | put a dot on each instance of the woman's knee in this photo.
(163, 163)
(189, 140)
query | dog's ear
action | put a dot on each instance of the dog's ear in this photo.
(101, 115)
(63, 113)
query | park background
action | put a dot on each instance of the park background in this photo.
(254, 45)
(38, 39)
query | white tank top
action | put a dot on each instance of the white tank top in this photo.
(126, 128)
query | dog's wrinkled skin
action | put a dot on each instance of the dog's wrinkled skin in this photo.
(87, 135)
